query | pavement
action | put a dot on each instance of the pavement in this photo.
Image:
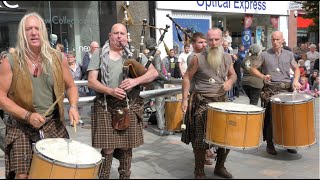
(166, 157)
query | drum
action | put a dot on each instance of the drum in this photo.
(173, 115)
(293, 120)
(59, 158)
(234, 125)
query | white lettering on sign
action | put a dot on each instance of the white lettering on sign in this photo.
(295, 6)
(6, 4)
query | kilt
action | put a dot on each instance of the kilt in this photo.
(196, 121)
(103, 134)
(267, 92)
(19, 139)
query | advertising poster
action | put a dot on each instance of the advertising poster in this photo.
(260, 37)
(246, 38)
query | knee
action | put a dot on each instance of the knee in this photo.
(21, 176)
(107, 151)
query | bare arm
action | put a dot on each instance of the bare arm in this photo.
(188, 75)
(149, 76)
(232, 78)
(296, 85)
(72, 91)
(5, 83)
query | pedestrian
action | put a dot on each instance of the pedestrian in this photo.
(117, 100)
(31, 80)
(208, 70)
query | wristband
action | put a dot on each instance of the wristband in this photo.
(75, 107)
(27, 116)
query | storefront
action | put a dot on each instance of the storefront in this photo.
(248, 21)
(75, 23)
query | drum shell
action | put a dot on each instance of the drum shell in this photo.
(234, 130)
(293, 124)
(173, 115)
(43, 167)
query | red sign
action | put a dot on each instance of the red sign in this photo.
(248, 19)
(304, 23)
(274, 21)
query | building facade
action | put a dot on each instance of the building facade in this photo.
(247, 21)
(75, 23)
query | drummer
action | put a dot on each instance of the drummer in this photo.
(31, 79)
(208, 70)
(275, 64)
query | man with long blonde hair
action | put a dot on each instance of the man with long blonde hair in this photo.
(210, 85)
(31, 80)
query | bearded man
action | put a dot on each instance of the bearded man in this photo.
(213, 75)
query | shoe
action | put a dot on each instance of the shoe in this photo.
(271, 150)
(202, 176)
(163, 133)
(81, 122)
(208, 162)
(293, 151)
(222, 172)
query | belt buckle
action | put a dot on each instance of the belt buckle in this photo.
(283, 85)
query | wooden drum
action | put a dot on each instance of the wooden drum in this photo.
(293, 120)
(233, 125)
(60, 158)
(173, 115)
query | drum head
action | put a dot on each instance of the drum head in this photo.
(68, 151)
(291, 98)
(236, 107)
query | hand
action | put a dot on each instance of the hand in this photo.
(296, 85)
(118, 93)
(74, 115)
(227, 85)
(36, 120)
(184, 105)
(267, 78)
(128, 84)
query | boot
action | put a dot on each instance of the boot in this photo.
(219, 169)
(270, 148)
(199, 157)
(104, 171)
(125, 164)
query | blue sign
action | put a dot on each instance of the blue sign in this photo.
(246, 38)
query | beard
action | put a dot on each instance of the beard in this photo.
(215, 56)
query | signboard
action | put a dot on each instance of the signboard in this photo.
(246, 38)
(295, 6)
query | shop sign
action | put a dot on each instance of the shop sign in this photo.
(295, 6)
(7, 5)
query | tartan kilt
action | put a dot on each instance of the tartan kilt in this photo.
(103, 134)
(195, 127)
(19, 139)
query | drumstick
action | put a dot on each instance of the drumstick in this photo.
(75, 126)
(52, 105)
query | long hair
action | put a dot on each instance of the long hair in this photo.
(22, 47)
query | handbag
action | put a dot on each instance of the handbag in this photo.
(120, 119)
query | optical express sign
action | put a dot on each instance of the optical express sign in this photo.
(253, 7)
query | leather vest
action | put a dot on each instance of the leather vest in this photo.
(21, 86)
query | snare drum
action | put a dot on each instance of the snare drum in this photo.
(293, 120)
(173, 115)
(234, 125)
(60, 158)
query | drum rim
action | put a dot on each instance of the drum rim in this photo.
(238, 112)
(296, 147)
(65, 164)
(299, 102)
(233, 147)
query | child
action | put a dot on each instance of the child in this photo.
(305, 88)
(302, 68)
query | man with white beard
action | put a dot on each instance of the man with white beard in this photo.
(213, 75)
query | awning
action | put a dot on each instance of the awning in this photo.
(303, 23)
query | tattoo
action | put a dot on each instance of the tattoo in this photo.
(190, 67)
